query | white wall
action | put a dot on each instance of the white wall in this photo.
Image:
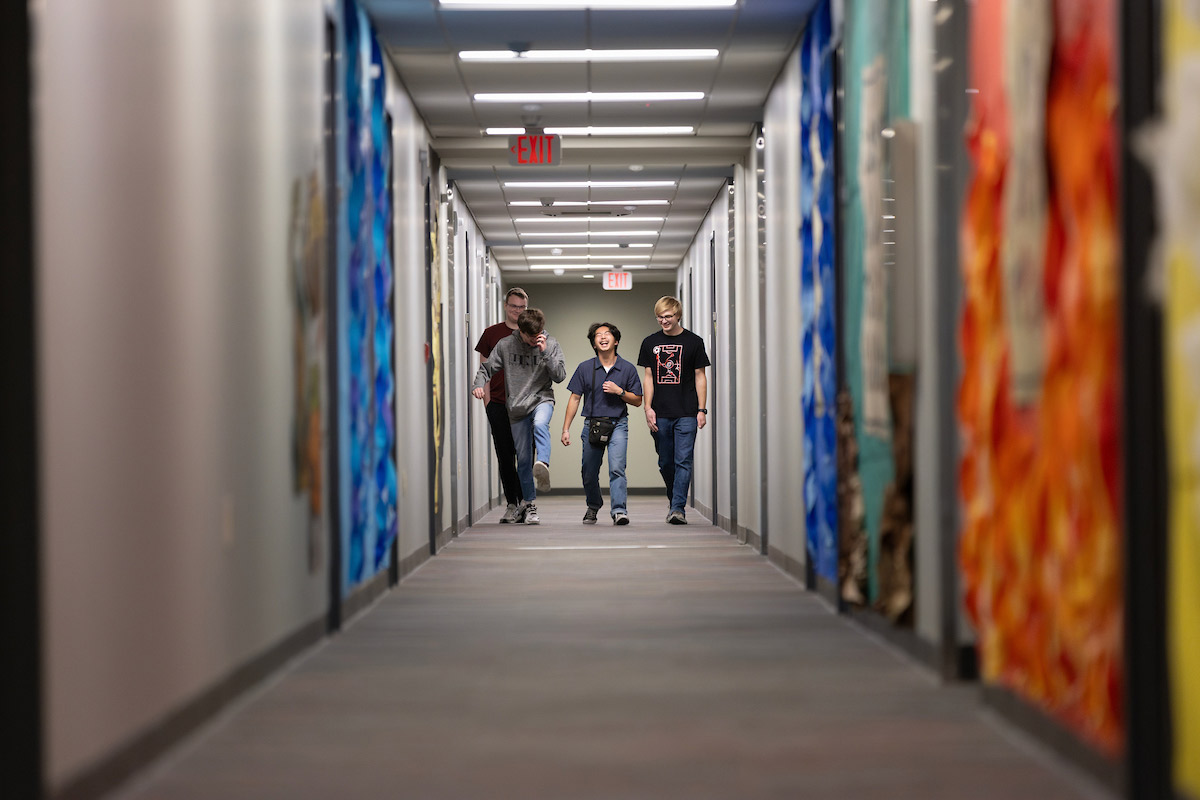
(927, 475)
(748, 362)
(175, 548)
(712, 443)
(570, 308)
(409, 139)
(783, 437)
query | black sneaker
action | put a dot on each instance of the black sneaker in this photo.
(620, 518)
(589, 517)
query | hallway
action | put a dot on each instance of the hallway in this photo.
(564, 661)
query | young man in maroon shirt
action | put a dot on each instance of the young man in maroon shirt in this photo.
(515, 302)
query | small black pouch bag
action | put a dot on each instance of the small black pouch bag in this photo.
(600, 430)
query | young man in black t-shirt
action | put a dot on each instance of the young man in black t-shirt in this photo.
(676, 387)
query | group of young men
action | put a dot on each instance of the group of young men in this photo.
(519, 365)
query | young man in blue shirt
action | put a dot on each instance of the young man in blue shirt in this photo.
(607, 384)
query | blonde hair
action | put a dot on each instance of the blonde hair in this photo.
(666, 304)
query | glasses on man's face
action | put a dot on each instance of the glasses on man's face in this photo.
(665, 317)
(516, 308)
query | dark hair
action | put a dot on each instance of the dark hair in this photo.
(531, 322)
(616, 333)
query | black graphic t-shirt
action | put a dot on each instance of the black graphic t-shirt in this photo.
(673, 361)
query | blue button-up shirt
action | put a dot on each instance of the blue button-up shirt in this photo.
(588, 379)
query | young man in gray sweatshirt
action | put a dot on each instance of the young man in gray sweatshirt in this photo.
(531, 360)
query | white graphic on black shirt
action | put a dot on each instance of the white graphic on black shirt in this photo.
(668, 363)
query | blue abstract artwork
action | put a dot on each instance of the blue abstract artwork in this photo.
(818, 298)
(369, 393)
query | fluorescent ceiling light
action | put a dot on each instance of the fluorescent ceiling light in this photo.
(580, 4)
(588, 219)
(561, 203)
(625, 130)
(586, 184)
(571, 266)
(592, 233)
(504, 131)
(584, 97)
(567, 56)
(609, 256)
(582, 244)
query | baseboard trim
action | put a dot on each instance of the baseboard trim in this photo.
(786, 563)
(1054, 735)
(146, 747)
(747, 536)
(905, 639)
(444, 538)
(363, 595)
(409, 564)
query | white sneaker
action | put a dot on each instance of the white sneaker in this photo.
(510, 514)
(541, 476)
(531, 515)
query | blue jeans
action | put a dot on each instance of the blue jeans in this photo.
(674, 442)
(525, 433)
(618, 492)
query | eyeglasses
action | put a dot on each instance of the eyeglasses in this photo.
(516, 308)
(665, 317)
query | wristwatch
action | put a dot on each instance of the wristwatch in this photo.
(702, 411)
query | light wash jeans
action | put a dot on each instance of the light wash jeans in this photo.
(528, 432)
(675, 441)
(618, 491)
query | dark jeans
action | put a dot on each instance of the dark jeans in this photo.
(506, 451)
(675, 440)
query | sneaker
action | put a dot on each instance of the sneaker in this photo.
(541, 476)
(676, 518)
(589, 517)
(510, 514)
(531, 515)
(620, 518)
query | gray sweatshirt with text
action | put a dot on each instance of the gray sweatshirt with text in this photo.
(527, 373)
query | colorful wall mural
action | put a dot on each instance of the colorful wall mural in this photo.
(368, 377)
(876, 92)
(1039, 404)
(818, 295)
(1177, 153)
(306, 284)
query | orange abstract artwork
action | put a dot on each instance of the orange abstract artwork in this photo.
(1041, 546)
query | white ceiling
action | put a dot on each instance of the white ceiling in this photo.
(754, 38)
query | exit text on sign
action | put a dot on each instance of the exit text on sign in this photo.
(618, 280)
(541, 149)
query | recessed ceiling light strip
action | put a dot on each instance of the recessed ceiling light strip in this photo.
(562, 203)
(571, 56)
(590, 233)
(588, 219)
(585, 244)
(585, 184)
(507, 5)
(584, 97)
(586, 266)
(600, 130)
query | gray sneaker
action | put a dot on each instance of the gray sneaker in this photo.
(541, 476)
(531, 515)
(676, 518)
(620, 518)
(510, 514)
(589, 517)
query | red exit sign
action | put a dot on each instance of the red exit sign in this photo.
(535, 149)
(618, 281)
